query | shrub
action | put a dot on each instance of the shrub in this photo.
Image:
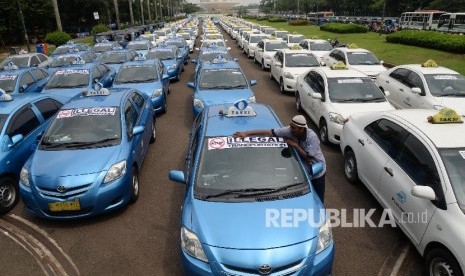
(276, 19)
(429, 39)
(343, 28)
(57, 38)
(100, 28)
(298, 22)
(262, 18)
(124, 26)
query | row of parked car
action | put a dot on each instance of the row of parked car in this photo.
(399, 131)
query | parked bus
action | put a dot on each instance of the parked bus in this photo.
(313, 16)
(420, 20)
(452, 22)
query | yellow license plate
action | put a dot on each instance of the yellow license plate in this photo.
(65, 206)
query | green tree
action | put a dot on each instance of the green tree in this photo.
(190, 8)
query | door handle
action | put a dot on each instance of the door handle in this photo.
(401, 90)
(361, 142)
(387, 81)
(389, 171)
(407, 103)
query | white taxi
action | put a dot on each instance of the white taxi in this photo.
(424, 85)
(319, 47)
(251, 43)
(266, 49)
(414, 168)
(288, 64)
(330, 94)
(293, 39)
(356, 58)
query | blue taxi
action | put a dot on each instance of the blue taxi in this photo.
(147, 76)
(70, 47)
(170, 57)
(66, 60)
(25, 80)
(220, 81)
(115, 58)
(108, 128)
(71, 81)
(208, 54)
(22, 118)
(182, 46)
(236, 191)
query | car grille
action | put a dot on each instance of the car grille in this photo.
(74, 191)
(285, 270)
(83, 211)
(271, 198)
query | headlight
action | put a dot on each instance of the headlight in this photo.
(24, 176)
(198, 103)
(172, 67)
(336, 118)
(191, 245)
(116, 171)
(438, 106)
(325, 237)
(252, 99)
(157, 93)
(288, 75)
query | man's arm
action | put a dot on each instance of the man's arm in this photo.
(264, 132)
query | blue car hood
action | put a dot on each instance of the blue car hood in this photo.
(73, 162)
(243, 225)
(146, 87)
(65, 92)
(210, 97)
(168, 62)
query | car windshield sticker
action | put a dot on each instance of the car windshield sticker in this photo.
(462, 152)
(350, 81)
(358, 53)
(8, 77)
(445, 77)
(299, 55)
(162, 50)
(71, 71)
(214, 52)
(95, 111)
(218, 143)
(68, 56)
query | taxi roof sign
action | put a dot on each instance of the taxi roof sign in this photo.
(5, 97)
(295, 47)
(10, 66)
(352, 46)
(98, 92)
(241, 108)
(79, 60)
(338, 66)
(219, 59)
(429, 63)
(445, 116)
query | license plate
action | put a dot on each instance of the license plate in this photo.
(65, 206)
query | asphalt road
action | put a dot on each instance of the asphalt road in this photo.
(143, 238)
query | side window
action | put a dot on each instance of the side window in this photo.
(130, 116)
(333, 54)
(400, 75)
(35, 61)
(27, 80)
(414, 80)
(388, 135)
(96, 73)
(23, 122)
(103, 69)
(317, 83)
(39, 74)
(138, 100)
(42, 57)
(48, 107)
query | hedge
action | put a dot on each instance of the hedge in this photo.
(343, 28)
(429, 39)
(100, 28)
(262, 18)
(57, 38)
(298, 22)
(276, 19)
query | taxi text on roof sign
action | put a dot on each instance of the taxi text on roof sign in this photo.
(338, 66)
(445, 116)
(219, 143)
(241, 109)
(429, 63)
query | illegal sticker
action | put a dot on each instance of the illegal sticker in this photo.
(95, 111)
(350, 81)
(247, 142)
(8, 77)
(73, 71)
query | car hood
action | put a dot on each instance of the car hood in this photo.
(347, 109)
(369, 70)
(456, 103)
(210, 97)
(243, 225)
(65, 92)
(319, 54)
(59, 163)
(145, 87)
(296, 71)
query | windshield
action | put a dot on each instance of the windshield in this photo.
(186, 36)
(136, 74)
(160, 33)
(256, 39)
(362, 58)
(83, 128)
(138, 46)
(214, 36)
(212, 55)
(18, 61)
(3, 118)
(454, 161)
(222, 79)
(446, 85)
(354, 90)
(113, 57)
(301, 60)
(236, 168)
(281, 34)
(213, 44)
(62, 50)
(295, 39)
(69, 79)
(67, 60)
(321, 46)
(269, 31)
(102, 48)
(178, 44)
(273, 46)
(161, 55)
(8, 82)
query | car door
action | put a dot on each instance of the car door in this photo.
(145, 118)
(275, 68)
(396, 84)
(107, 75)
(318, 107)
(41, 77)
(412, 99)
(259, 51)
(331, 58)
(135, 142)
(26, 83)
(414, 165)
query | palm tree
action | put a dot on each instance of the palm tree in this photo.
(57, 15)
(115, 2)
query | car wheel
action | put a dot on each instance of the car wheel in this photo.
(263, 65)
(169, 88)
(183, 69)
(298, 103)
(134, 185)
(8, 194)
(324, 132)
(281, 86)
(350, 167)
(439, 261)
(153, 138)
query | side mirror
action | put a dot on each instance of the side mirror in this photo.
(165, 77)
(236, 59)
(317, 168)
(253, 82)
(194, 60)
(225, 40)
(16, 140)
(23, 87)
(387, 93)
(322, 63)
(425, 192)
(191, 84)
(416, 90)
(316, 96)
(381, 61)
(137, 130)
(229, 48)
(177, 176)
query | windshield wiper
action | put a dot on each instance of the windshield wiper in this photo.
(371, 100)
(273, 190)
(253, 191)
(76, 144)
(346, 100)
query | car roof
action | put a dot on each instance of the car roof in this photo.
(227, 64)
(316, 40)
(225, 126)
(290, 51)
(354, 50)
(442, 135)
(342, 73)
(20, 100)
(114, 99)
(428, 70)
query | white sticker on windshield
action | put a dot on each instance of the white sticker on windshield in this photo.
(300, 55)
(248, 142)
(350, 81)
(358, 53)
(7, 77)
(67, 72)
(95, 111)
(462, 152)
(445, 77)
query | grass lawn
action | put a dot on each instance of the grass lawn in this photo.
(391, 53)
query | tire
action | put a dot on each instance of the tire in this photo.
(439, 261)
(323, 133)
(9, 194)
(169, 88)
(165, 105)
(281, 86)
(153, 137)
(134, 185)
(298, 103)
(350, 167)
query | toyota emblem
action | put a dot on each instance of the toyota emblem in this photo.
(61, 189)
(264, 269)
